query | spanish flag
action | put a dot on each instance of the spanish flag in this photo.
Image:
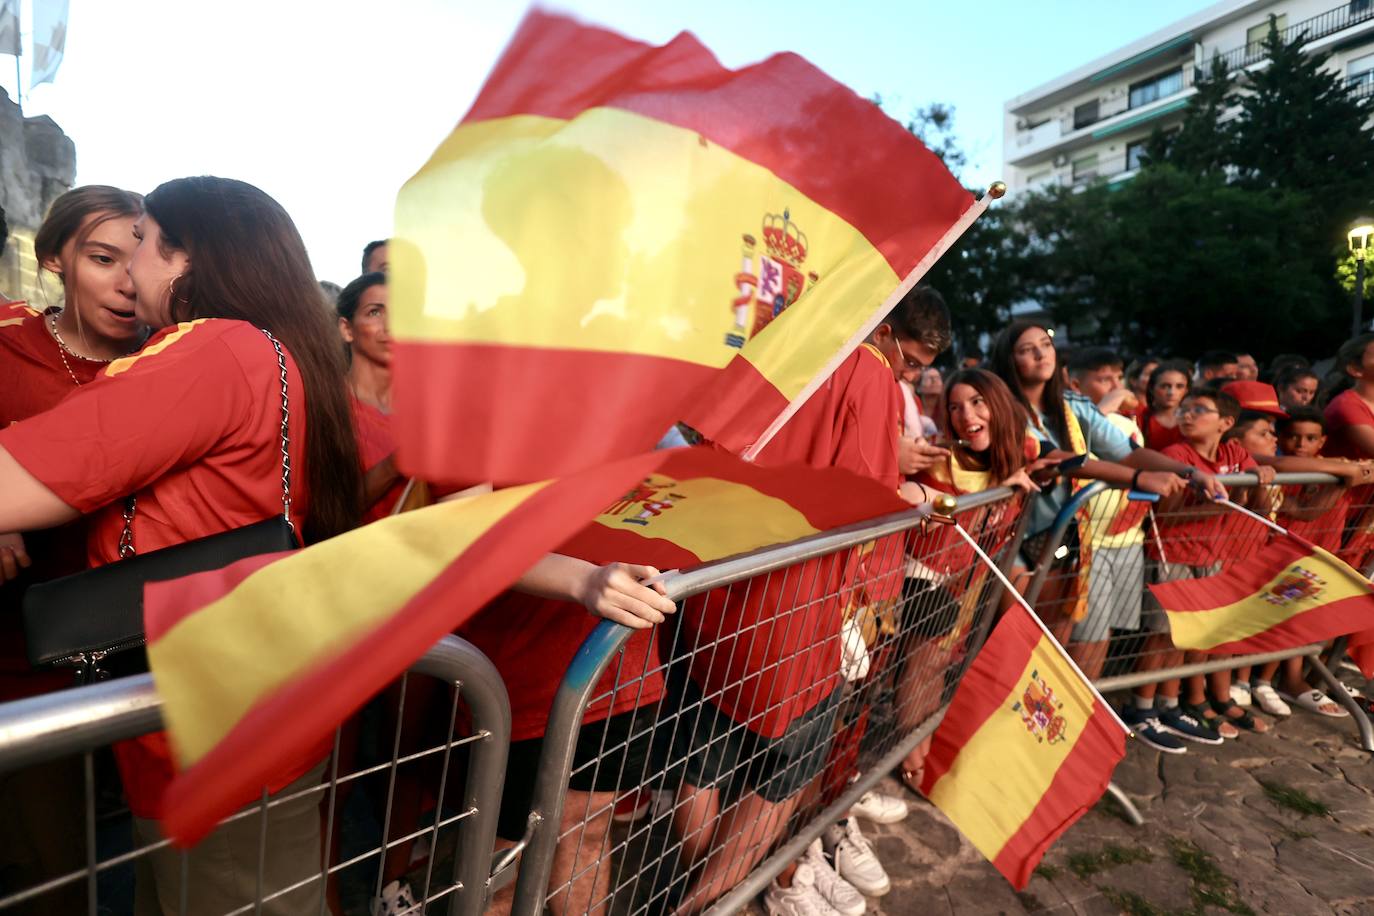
(259, 662)
(1289, 594)
(612, 224)
(1025, 749)
(701, 505)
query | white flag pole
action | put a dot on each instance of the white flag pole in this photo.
(975, 210)
(1011, 590)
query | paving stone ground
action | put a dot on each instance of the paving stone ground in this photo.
(1209, 809)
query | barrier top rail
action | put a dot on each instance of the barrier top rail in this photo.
(71, 721)
(769, 559)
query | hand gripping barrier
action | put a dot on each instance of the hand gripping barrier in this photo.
(383, 790)
(790, 681)
(1096, 601)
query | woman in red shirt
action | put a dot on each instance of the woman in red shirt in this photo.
(191, 425)
(363, 326)
(1168, 386)
(85, 242)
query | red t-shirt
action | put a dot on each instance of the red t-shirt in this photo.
(1326, 529)
(764, 668)
(192, 425)
(375, 442)
(32, 380)
(1346, 409)
(1157, 435)
(1202, 540)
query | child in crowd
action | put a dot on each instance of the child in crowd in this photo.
(1193, 538)
(1115, 554)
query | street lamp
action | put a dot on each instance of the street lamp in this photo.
(1361, 236)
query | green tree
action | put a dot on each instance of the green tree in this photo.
(980, 275)
(1202, 143)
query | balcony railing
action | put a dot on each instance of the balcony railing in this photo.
(1320, 26)
(1109, 108)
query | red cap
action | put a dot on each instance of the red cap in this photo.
(1259, 397)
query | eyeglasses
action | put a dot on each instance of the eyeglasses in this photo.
(1194, 410)
(912, 362)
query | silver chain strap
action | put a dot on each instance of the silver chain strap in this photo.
(126, 539)
(285, 437)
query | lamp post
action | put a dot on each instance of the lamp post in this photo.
(1361, 236)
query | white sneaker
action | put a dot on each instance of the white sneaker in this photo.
(854, 858)
(1269, 700)
(396, 899)
(801, 899)
(1240, 693)
(879, 809)
(838, 892)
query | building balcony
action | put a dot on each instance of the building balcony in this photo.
(1315, 28)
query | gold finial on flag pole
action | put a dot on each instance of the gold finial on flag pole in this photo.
(997, 190)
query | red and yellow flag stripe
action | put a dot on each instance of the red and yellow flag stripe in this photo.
(612, 221)
(258, 662)
(1289, 594)
(1025, 749)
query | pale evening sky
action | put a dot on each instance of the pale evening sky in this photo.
(330, 105)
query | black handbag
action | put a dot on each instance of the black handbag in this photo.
(93, 620)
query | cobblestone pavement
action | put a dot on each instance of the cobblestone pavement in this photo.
(1280, 823)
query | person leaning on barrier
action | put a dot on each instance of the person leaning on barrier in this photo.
(989, 447)
(762, 683)
(1316, 513)
(192, 426)
(1069, 425)
(85, 242)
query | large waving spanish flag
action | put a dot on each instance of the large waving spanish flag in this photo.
(1289, 594)
(258, 662)
(612, 224)
(1025, 749)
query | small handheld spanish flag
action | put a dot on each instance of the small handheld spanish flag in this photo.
(1289, 593)
(1025, 749)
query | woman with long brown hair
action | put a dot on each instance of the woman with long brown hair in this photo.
(85, 242)
(192, 428)
(985, 430)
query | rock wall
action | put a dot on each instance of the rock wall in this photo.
(37, 163)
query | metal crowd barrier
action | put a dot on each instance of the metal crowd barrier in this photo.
(1119, 640)
(734, 805)
(384, 770)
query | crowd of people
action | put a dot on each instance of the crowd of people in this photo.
(143, 410)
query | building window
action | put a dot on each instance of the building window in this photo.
(1156, 87)
(1135, 154)
(1360, 71)
(1085, 114)
(1255, 35)
(1039, 178)
(1085, 167)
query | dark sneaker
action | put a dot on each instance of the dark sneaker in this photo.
(1146, 727)
(1176, 721)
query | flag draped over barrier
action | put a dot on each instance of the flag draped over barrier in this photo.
(1290, 593)
(613, 223)
(700, 505)
(1025, 749)
(256, 663)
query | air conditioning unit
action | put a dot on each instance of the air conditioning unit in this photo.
(1021, 124)
(1060, 161)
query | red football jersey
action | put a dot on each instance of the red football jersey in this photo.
(192, 425)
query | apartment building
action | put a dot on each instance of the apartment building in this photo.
(1093, 122)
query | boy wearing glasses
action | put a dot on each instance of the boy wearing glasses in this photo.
(1192, 538)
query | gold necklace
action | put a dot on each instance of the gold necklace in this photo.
(75, 380)
(52, 323)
